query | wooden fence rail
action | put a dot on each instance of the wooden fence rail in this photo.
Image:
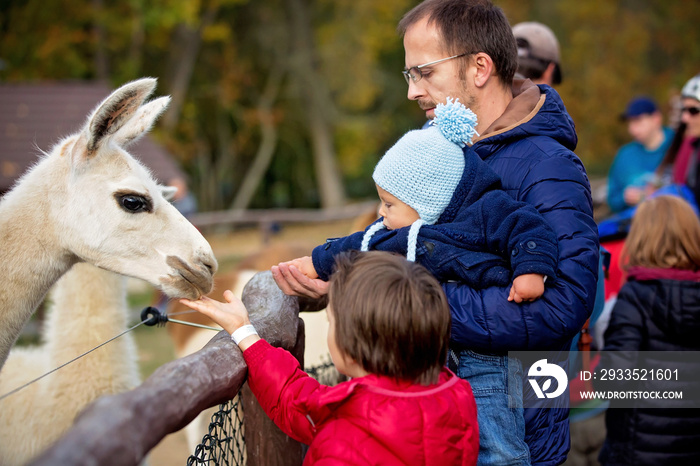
(265, 217)
(121, 429)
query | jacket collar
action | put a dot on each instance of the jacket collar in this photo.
(527, 100)
(386, 386)
(645, 273)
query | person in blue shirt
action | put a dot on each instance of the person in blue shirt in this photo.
(635, 163)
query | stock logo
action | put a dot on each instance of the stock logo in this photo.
(542, 370)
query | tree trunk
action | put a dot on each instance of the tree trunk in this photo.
(263, 157)
(318, 104)
(189, 41)
(101, 62)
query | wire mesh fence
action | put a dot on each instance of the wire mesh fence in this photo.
(224, 444)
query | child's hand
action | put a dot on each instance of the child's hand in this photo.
(231, 315)
(527, 287)
(305, 265)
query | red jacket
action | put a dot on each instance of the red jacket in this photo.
(371, 420)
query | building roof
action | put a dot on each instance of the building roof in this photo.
(34, 117)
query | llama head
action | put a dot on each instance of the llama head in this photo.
(111, 211)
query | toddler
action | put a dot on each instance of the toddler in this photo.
(389, 331)
(448, 212)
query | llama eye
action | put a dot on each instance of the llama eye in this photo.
(134, 204)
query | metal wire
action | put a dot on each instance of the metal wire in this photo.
(12, 392)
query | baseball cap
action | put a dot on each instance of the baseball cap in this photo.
(639, 106)
(537, 41)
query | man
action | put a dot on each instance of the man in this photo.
(538, 53)
(466, 49)
(539, 60)
(635, 162)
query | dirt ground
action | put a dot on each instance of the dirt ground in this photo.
(156, 349)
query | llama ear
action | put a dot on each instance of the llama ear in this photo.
(141, 122)
(116, 111)
(168, 192)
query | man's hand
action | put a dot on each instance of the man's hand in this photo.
(633, 195)
(293, 282)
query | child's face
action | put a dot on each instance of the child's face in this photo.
(396, 213)
(345, 364)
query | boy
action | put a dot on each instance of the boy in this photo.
(389, 331)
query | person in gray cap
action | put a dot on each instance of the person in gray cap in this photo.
(538, 53)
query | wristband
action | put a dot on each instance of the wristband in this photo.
(243, 332)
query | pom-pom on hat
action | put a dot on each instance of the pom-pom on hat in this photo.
(425, 166)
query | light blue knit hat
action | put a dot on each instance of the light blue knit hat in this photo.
(425, 166)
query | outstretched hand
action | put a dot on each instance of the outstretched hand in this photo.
(231, 315)
(293, 282)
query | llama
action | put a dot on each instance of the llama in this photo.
(88, 307)
(89, 200)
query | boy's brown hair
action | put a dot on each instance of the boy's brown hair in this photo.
(391, 315)
(665, 233)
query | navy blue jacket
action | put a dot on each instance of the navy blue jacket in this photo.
(650, 316)
(531, 148)
(481, 237)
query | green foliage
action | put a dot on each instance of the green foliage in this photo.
(612, 52)
(237, 65)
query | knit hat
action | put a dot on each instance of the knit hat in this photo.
(425, 166)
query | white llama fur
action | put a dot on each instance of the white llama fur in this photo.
(88, 307)
(90, 201)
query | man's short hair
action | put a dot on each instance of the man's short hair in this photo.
(537, 48)
(470, 26)
(391, 315)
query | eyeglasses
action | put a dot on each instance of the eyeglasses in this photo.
(691, 110)
(416, 74)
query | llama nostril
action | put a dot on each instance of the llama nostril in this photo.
(211, 267)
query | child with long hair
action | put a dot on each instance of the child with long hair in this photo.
(657, 309)
(389, 330)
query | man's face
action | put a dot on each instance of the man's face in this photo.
(422, 45)
(643, 128)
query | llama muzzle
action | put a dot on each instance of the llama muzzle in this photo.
(192, 280)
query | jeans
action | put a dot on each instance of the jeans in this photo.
(497, 384)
